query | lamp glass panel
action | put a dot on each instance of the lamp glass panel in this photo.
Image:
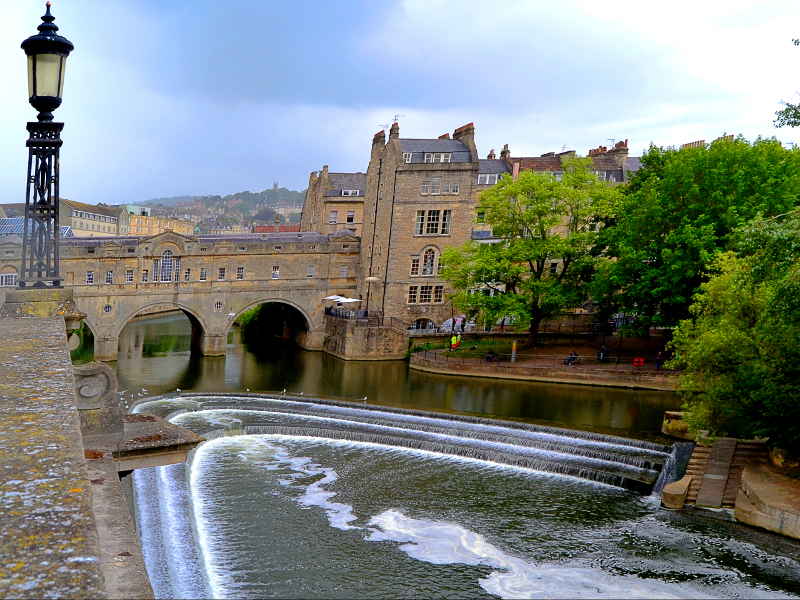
(30, 76)
(47, 71)
(61, 79)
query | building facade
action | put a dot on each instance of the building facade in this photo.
(417, 198)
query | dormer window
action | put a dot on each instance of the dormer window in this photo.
(487, 178)
(436, 157)
(407, 157)
(351, 192)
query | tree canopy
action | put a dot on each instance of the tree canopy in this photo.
(542, 257)
(740, 350)
(679, 210)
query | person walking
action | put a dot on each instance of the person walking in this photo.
(659, 360)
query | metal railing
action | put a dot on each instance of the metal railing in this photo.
(536, 364)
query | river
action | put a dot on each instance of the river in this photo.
(273, 505)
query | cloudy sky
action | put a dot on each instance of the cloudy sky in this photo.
(173, 97)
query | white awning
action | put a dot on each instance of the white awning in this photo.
(342, 299)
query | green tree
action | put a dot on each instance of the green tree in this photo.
(679, 210)
(741, 349)
(546, 230)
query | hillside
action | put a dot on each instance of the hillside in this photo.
(274, 197)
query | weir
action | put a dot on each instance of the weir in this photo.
(631, 464)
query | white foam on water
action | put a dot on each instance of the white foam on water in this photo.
(553, 455)
(443, 543)
(512, 431)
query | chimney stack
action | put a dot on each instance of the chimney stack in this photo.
(491, 156)
(466, 135)
(505, 153)
(394, 131)
(444, 136)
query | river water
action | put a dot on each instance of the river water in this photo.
(303, 500)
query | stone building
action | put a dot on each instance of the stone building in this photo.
(334, 202)
(418, 197)
(89, 220)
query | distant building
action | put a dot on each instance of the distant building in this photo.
(611, 165)
(138, 220)
(89, 220)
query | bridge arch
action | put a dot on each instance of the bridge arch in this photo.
(297, 316)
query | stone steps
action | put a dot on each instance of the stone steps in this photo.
(716, 471)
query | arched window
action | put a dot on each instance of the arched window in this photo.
(428, 261)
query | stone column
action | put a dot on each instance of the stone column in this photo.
(211, 344)
(105, 347)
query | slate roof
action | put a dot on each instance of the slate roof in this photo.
(109, 211)
(305, 236)
(15, 225)
(538, 163)
(418, 148)
(346, 181)
(486, 165)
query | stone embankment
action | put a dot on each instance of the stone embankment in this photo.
(736, 475)
(547, 369)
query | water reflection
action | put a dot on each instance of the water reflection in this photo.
(154, 354)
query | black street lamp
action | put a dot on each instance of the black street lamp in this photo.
(47, 54)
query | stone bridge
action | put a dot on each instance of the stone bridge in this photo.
(212, 279)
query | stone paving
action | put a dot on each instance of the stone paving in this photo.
(48, 539)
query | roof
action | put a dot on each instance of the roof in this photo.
(276, 228)
(346, 181)
(16, 209)
(419, 147)
(15, 225)
(538, 163)
(486, 165)
(305, 236)
(109, 211)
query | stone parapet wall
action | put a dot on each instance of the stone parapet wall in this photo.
(48, 538)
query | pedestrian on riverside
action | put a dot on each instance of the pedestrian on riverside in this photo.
(659, 360)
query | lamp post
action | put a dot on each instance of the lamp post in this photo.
(47, 54)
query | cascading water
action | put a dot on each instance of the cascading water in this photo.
(293, 498)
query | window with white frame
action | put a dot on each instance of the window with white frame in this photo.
(221, 274)
(351, 192)
(407, 157)
(438, 294)
(601, 175)
(187, 275)
(414, 266)
(432, 186)
(433, 222)
(276, 271)
(90, 277)
(145, 274)
(445, 227)
(428, 261)
(487, 178)
(8, 280)
(412, 294)
(419, 225)
(203, 273)
(425, 294)
(438, 157)
(333, 217)
(450, 188)
(239, 272)
(129, 276)
(343, 271)
(109, 276)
